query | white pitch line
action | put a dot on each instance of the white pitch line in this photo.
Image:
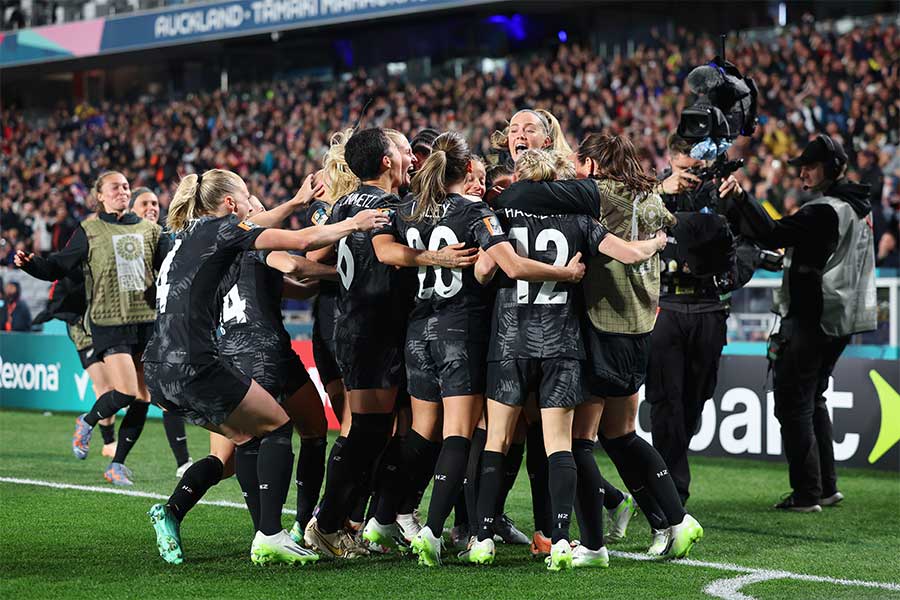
(119, 492)
(754, 574)
(730, 588)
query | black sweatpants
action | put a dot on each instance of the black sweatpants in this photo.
(681, 376)
(802, 369)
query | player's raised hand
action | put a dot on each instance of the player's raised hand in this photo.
(22, 258)
(309, 190)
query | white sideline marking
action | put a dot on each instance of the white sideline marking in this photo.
(728, 588)
(119, 492)
(723, 588)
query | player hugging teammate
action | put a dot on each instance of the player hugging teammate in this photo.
(477, 317)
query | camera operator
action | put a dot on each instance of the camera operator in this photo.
(827, 294)
(698, 273)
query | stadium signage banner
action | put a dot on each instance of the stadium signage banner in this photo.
(42, 372)
(739, 420)
(194, 23)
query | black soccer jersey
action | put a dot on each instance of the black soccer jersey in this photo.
(251, 307)
(319, 213)
(366, 304)
(542, 320)
(188, 298)
(450, 304)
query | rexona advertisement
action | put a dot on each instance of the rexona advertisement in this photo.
(193, 23)
(42, 372)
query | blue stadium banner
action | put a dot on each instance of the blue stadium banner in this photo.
(195, 23)
(43, 372)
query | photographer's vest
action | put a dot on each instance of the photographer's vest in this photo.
(119, 271)
(848, 279)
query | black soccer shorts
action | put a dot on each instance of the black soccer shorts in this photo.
(279, 372)
(445, 368)
(617, 363)
(88, 357)
(369, 363)
(558, 381)
(201, 394)
(120, 339)
(324, 355)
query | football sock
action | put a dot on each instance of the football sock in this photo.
(536, 464)
(641, 467)
(511, 466)
(448, 477)
(490, 482)
(246, 457)
(460, 511)
(130, 429)
(473, 471)
(612, 496)
(109, 433)
(201, 476)
(273, 468)
(174, 426)
(590, 494)
(368, 435)
(392, 481)
(421, 458)
(562, 481)
(107, 405)
(310, 473)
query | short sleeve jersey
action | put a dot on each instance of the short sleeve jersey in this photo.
(542, 320)
(319, 213)
(251, 306)
(366, 290)
(450, 304)
(188, 296)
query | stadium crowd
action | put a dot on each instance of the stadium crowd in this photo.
(272, 134)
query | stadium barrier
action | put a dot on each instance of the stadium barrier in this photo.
(42, 372)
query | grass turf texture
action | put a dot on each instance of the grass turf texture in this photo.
(78, 544)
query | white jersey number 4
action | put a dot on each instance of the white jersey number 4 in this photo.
(162, 280)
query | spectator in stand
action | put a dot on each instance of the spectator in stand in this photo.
(812, 78)
(14, 313)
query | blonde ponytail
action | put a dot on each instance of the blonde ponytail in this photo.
(342, 181)
(200, 195)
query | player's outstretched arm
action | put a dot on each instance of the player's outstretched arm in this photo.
(526, 269)
(299, 267)
(317, 237)
(632, 252)
(391, 252)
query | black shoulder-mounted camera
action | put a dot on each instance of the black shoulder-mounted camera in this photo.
(719, 169)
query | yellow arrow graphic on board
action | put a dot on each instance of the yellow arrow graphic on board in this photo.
(889, 434)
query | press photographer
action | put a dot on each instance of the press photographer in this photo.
(827, 294)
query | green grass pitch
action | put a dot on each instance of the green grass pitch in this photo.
(64, 543)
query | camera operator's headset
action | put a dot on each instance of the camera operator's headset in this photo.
(833, 166)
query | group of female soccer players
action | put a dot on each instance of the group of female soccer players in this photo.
(451, 324)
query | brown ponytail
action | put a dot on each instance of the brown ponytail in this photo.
(447, 165)
(617, 159)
